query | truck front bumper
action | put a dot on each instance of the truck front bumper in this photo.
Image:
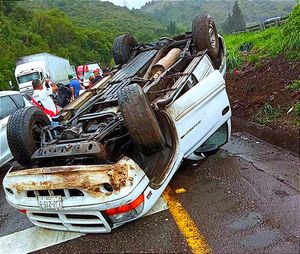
(86, 193)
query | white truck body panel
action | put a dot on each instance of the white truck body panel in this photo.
(50, 66)
(198, 113)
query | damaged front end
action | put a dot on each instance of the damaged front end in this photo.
(122, 139)
(79, 198)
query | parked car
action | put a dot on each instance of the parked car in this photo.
(10, 101)
(270, 20)
(119, 144)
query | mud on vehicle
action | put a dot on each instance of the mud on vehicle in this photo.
(117, 146)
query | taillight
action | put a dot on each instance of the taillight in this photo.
(127, 207)
(22, 211)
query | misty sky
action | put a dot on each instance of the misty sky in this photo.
(129, 3)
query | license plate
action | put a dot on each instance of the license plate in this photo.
(50, 203)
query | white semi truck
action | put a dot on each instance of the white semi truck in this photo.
(41, 66)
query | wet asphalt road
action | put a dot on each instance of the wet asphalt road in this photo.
(245, 199)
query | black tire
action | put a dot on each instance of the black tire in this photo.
(122, 48)
(21, 136)
(205, 35)
(140, 120)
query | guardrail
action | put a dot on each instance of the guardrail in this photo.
(264, 25)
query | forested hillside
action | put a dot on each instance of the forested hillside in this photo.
(81, 31)
(104, 16)
(182, 12)
(84, 31)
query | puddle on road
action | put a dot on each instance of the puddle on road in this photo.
(246, 221)
(261, 239)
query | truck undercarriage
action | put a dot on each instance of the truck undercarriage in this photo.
(117, 145)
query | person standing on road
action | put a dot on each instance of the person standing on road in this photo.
(42, 96)
(64, 95)
(74, 86)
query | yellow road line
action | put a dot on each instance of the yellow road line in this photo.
(192, 235)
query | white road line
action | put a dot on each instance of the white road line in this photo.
(34, 238)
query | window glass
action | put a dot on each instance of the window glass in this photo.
(18, 99)
(7, 106)
(28, 77)
(219, 137)
(91, 68)
(88, 74)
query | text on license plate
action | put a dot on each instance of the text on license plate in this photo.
(50, 203)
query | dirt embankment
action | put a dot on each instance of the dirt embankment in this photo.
(261, 101)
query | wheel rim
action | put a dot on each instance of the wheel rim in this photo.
(36, 133)
(212, 35)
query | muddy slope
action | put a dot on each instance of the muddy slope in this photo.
(255, 86)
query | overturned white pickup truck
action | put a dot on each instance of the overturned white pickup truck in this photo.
(119, 144)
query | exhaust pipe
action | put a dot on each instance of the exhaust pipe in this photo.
(164, 63)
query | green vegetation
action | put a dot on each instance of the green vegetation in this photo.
(234, 61)
(297, 108)
(295, 85)
(81, 31)
(183, 11)
(171, 28)
(267, 114)
(24, 33)
(105, 17)
(284, 40)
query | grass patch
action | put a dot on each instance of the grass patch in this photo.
(267, 114)
(294, 85)
(295, 115)
(254, 59)
(284, 40)
(295, 122)
(297, 108)
(234, 61)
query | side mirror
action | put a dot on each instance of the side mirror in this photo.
(207, 150)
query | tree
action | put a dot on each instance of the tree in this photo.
(171, 28)
(238, 18)
(6, 6)
(227, 25)
(234, 22)
(29, 27)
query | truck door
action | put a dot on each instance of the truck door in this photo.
(202, 109)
